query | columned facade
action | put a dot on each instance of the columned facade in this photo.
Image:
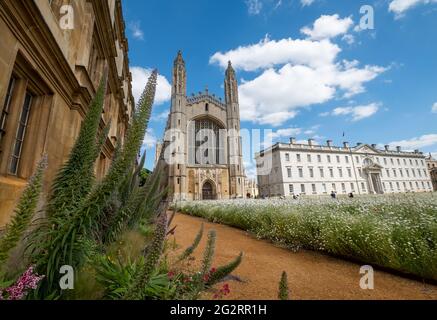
(310, 169)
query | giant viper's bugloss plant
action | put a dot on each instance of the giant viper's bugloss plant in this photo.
(283, 293)
(62, 244)
(221, 272)
(136, 291)
(75, 179)
(23, 213)
(189, 251)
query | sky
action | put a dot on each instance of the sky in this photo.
(341, 70)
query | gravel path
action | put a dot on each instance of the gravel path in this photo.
(311, 275)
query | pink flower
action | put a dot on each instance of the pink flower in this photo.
(28, 281)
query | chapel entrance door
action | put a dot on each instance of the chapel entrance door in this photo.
(208, 191)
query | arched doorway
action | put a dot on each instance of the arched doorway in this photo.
(208, 192)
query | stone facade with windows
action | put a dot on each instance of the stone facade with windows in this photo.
(202, 143)
(432, 168)
(310, 169)
(48, 76)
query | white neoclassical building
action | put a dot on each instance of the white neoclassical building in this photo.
(286, 169)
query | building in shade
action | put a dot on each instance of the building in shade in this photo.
(49, 71)
(201, 150)
(287, 169)
(432, 167)
(251, 187)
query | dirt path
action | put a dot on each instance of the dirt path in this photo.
(311, 275)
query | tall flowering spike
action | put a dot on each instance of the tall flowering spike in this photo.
(208, 254)
(136, 292)
(101, 139)
(74, 180)
(284, 293)
(63, 244)
(189, 251)
(23, 213)
(223, 271)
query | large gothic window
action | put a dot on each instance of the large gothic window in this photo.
(207, 142)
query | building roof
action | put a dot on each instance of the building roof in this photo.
(205, 97)
(360, 148)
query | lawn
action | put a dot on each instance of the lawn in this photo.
(398, 232)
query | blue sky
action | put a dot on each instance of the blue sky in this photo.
(306, 68)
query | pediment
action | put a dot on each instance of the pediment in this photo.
(366, 149)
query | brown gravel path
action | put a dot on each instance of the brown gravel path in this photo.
(311, 275)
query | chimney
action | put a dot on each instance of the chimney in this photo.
(310, 142)
(329, 143)
(292, 140)
(398, 148)
(374, 146)
(387, 147)
(346, 145)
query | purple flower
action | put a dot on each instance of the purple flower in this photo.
(28, 281)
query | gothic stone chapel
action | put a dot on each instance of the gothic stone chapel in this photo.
(202, 144)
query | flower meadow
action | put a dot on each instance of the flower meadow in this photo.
(397, 232)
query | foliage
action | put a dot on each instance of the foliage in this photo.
(154, 252)
(221, 272)
(27, 282)
(284, 293)
(144, 174)
(190, 284)
(189, 251)
(75, 179)
(62, 245)
(393, 231)
(23, 214)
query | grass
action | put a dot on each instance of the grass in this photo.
(398, 232)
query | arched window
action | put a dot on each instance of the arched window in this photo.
(207, 142)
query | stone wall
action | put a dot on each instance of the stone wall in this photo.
(60, 69)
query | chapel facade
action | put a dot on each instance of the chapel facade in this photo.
(202, 144)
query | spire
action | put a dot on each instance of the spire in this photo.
(179, 75)
(230, 70)
(179, 59)
(231, 86)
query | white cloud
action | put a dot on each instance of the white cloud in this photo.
(139, 80)
(290, 132)
(293, 74)
(250, 169)
(254, 7)
(160, 116)
(273, 97)
(399, 7)
(350, 39)
(135, 28)
(149, 139)
(327, 27)
(358, 113)
(306, 2)
(268, 53)
(424, 141)
(434, 108)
